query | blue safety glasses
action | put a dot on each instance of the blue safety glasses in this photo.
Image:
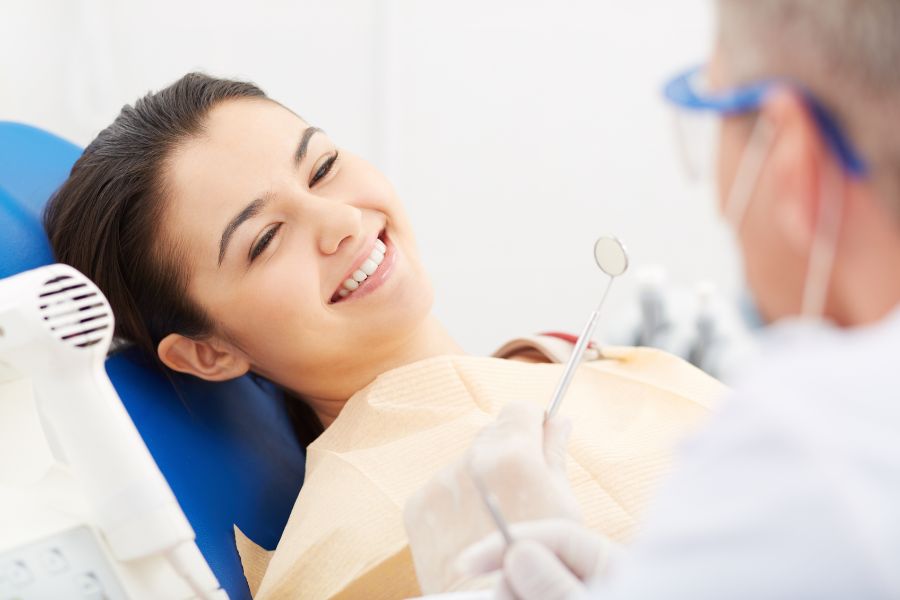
(690, 93)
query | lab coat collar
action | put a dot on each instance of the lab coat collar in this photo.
(784, 343)
(808, 330)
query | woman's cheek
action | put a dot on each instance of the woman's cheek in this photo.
(290, 296)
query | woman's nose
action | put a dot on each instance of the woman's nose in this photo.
(337, 222)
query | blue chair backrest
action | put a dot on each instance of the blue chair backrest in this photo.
(228, 450)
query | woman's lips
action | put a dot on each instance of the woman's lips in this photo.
(373, 270)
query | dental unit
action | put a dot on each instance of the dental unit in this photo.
(96, 518)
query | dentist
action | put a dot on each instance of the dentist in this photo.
(792, 490)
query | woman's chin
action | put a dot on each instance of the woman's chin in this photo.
(407, 312)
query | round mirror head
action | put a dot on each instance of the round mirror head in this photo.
(611, 256)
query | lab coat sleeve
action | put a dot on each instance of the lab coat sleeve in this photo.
(754, 510)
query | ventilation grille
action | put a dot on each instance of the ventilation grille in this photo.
(75, 311)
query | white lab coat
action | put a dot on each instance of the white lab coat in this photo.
(793, 489)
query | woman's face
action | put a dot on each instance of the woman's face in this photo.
(277, 226)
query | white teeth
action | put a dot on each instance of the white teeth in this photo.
(368, 267)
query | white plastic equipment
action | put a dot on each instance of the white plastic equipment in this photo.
(99, 520)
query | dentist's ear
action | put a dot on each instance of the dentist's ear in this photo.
(797, 158)
(212, 359)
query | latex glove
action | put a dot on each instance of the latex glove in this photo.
(521, 460)
(551, 559)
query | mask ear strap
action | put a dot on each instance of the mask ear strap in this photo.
(824, 246)
(748, 172)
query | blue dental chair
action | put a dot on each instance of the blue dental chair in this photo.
(228, 450)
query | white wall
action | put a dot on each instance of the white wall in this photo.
(70, 65)
(516, 131)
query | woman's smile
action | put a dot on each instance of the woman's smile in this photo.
(373, 265)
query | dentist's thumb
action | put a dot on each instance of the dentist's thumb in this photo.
(532, 572)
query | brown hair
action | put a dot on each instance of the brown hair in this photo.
(104, 219)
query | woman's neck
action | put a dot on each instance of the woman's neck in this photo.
(429, 341)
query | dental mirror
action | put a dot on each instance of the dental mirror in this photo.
(612, 258)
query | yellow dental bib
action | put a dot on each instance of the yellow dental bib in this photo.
(345, 536)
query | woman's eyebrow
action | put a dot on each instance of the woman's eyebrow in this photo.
(255, 207)
(248, 212)
(304, 143)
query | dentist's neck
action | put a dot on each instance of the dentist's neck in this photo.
(429, 341)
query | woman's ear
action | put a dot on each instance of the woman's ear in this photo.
(205, 359)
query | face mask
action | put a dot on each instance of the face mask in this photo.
(748, 310)
(738, 201)
(821, 259)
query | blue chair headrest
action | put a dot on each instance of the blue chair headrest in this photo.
(33, 163)
(228, 450)
(24, 245)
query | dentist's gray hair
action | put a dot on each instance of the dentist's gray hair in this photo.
(846, 52)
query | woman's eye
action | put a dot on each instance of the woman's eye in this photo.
(263, 243)
(323, 170)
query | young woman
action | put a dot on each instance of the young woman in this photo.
(231, 236)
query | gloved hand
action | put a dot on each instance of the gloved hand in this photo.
(551, 559)
(521, 460)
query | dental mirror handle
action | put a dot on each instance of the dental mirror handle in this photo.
(577, 354)
(492, 506)
(563, 386)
